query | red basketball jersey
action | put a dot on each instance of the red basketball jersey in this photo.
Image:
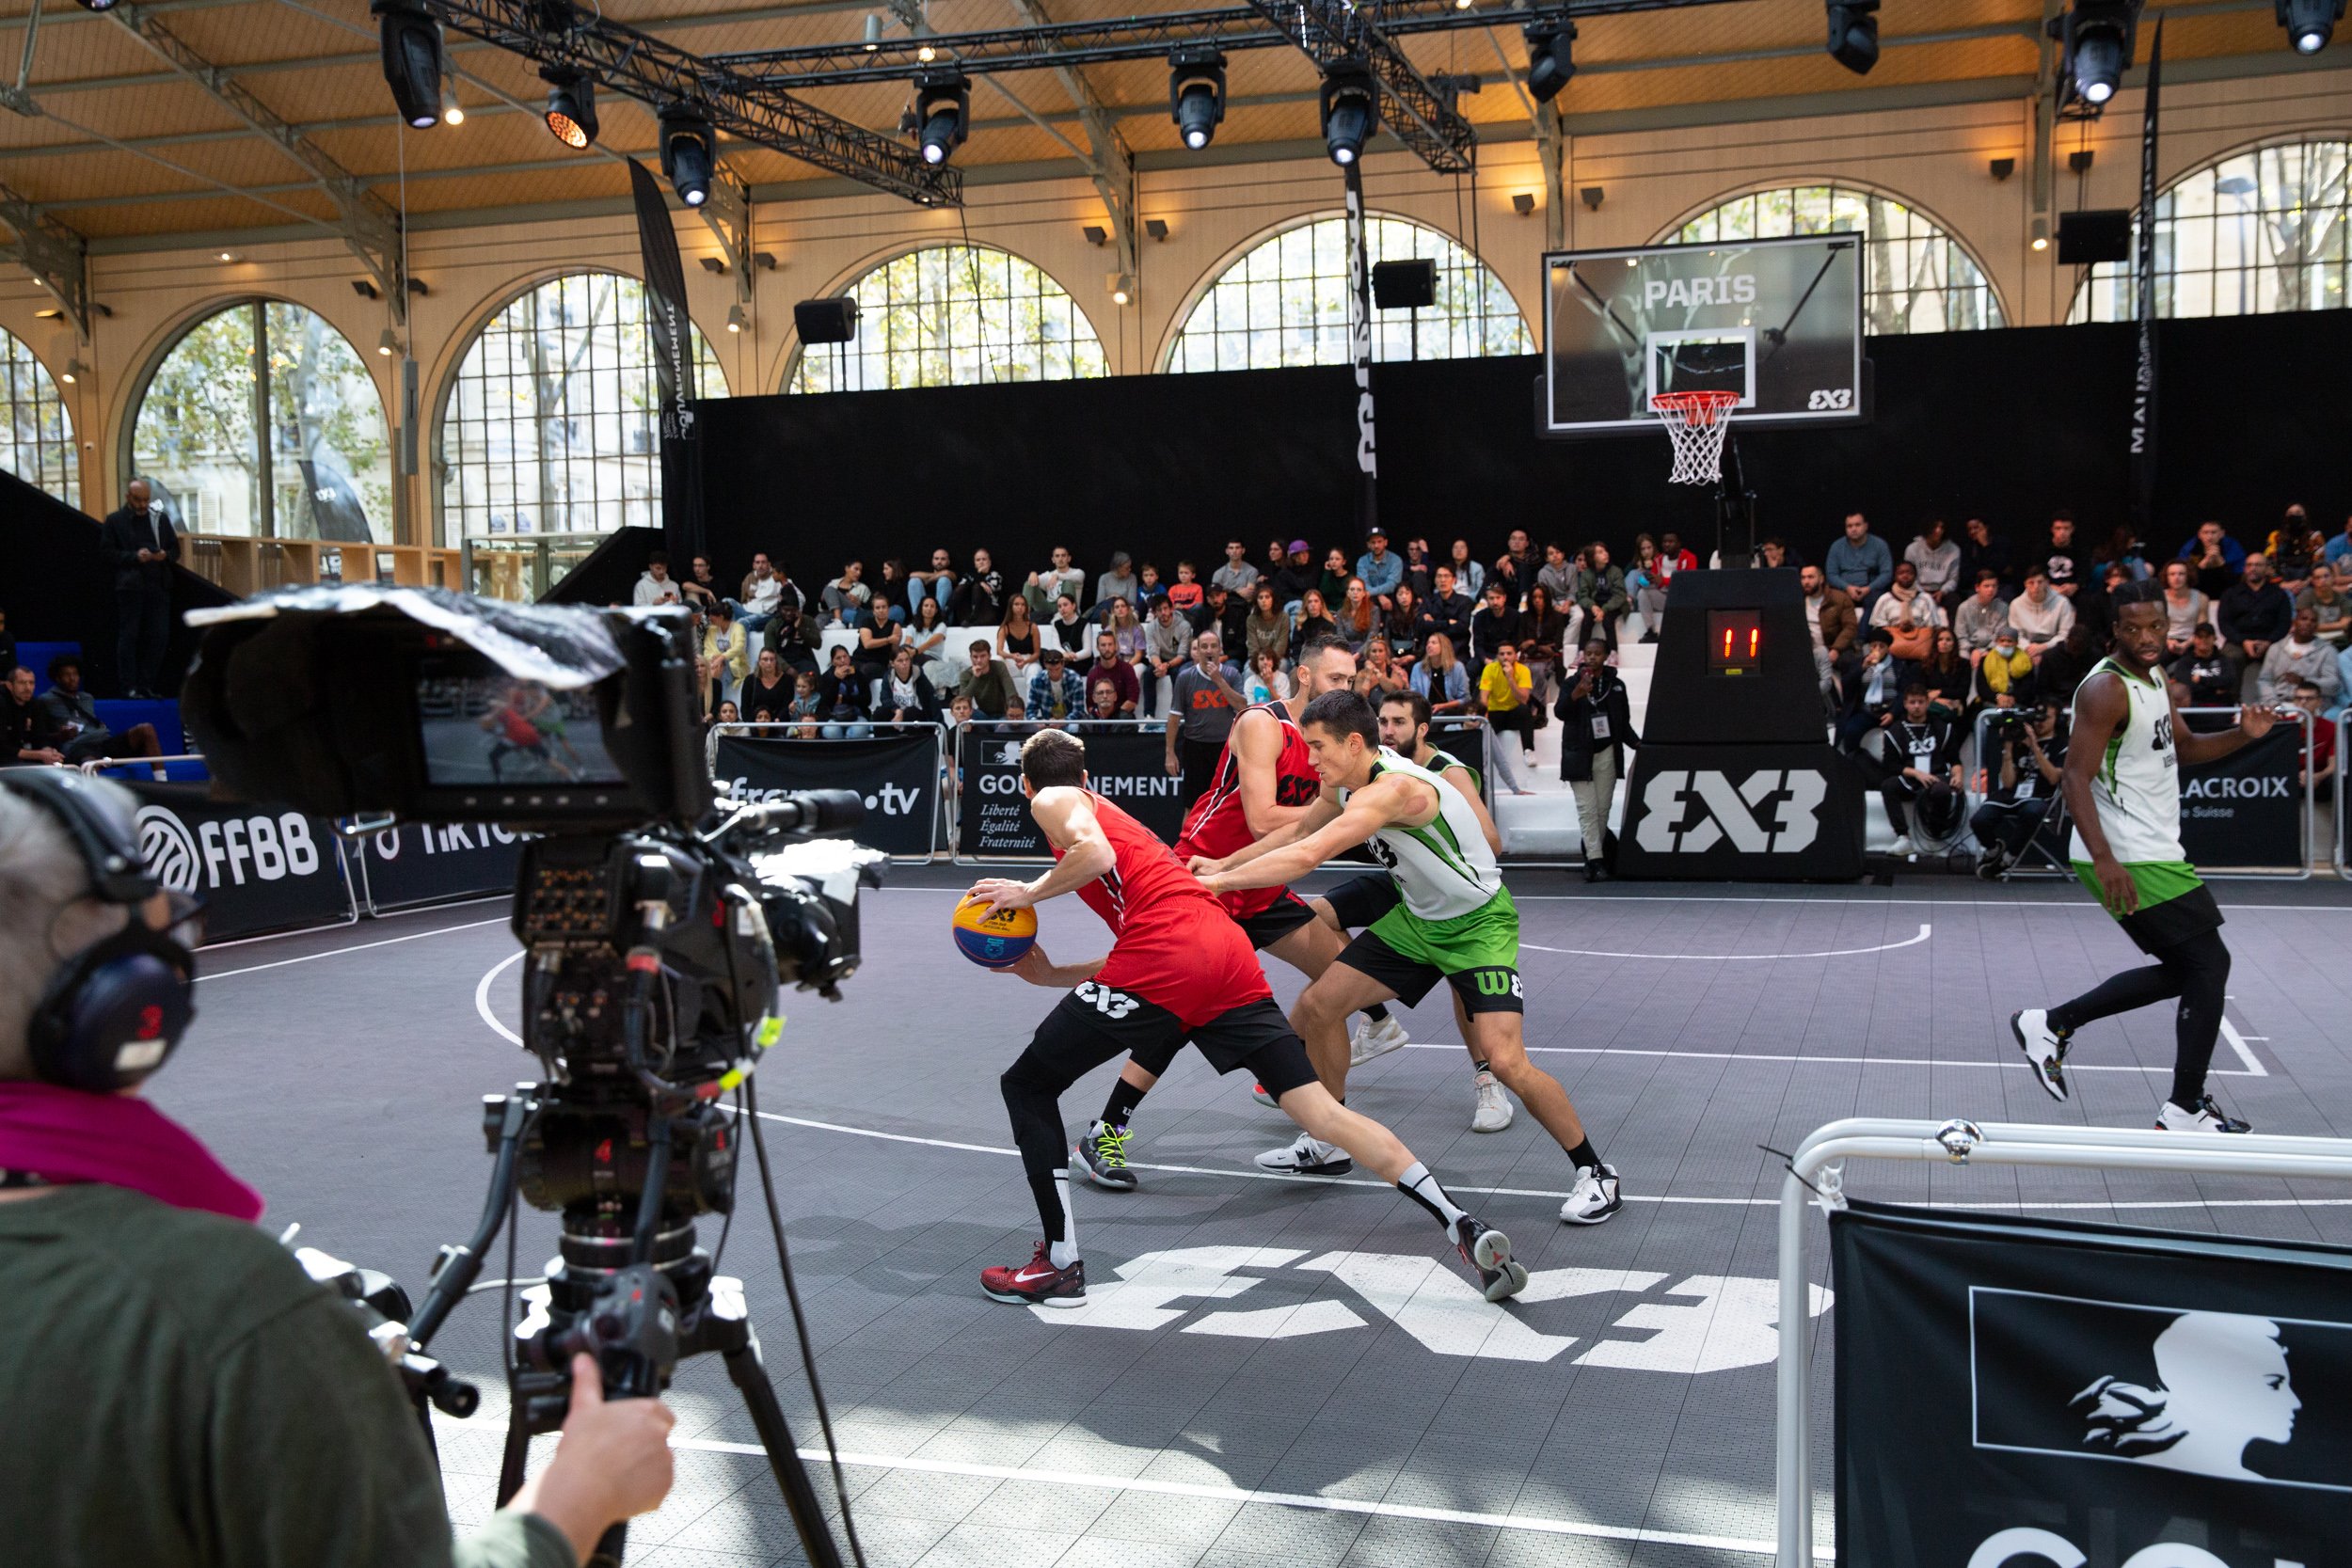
(1216, 825)
(1173, 944)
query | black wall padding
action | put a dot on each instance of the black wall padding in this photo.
(609, 573)
(2009, 425)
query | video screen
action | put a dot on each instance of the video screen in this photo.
(485, 727)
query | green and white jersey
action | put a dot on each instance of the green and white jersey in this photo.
(1442, 869)
(2137, 786)
(1439, 761)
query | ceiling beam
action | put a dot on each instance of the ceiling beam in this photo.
(56, 255)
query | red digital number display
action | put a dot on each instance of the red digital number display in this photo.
(1735, 641)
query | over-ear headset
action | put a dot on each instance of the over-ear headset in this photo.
(113, 1011)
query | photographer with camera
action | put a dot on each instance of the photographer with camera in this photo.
(2019, 793)
(182, 1391)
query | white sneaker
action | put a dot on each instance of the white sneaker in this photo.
(1904, 850)
(1494, 1110)
(1594, 1197)
(2044, 1046)
(1374, 1039)
(1307, 1155)
(2203, 1116)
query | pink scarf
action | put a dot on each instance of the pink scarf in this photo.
(67, 1135)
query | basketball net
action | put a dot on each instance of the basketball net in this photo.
(1696, 423)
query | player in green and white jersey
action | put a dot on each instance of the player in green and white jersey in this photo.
(1455, 922)
(2122, 787)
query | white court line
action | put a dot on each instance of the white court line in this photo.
(1925, 930)
(482, 997)
(2258, 1070)
(2237, 1043)
(356, 947)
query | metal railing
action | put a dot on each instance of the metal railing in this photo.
(101, 764)
(1817, 1167)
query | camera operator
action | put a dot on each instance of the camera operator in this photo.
(179, 1390)
(2032, 752)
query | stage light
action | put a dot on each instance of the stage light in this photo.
(453, 112)
(1351, 109)
(1196, 94)
(2001, 168)
(686, 152)
(74, 372)
(1523, 202)
(412, 58)
(1592, 196)
(571, 107)
(2309, 22)
(1854, 34)
(735, 318)
(2041, 233)
(1157, 227)
(2096, 37)
(388, 343)
(943, 113)
(228, 256)
(100, 6)
(1122, 288)
(873, 31)
(1550, 60)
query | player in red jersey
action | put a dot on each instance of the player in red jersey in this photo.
(1179, 969)
(1265, 779)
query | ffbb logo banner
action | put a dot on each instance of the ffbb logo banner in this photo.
(256, 868)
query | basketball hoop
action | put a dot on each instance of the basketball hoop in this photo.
(1696, 423)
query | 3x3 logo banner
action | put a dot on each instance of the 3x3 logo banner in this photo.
(1743, 812)
(2027, 1392)
(894, 772)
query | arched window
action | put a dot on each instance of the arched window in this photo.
(263, 420)
(950, 315)
(1285, 302)
(553, 422)
(36, 432)
(1916, 277)
(2260, 231)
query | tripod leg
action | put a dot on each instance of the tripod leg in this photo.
(759, 1396)
(518, 1446)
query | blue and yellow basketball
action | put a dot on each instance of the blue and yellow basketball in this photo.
(996, 940)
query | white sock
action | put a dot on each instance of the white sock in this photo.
(1424, 1189)
(1063, 1253)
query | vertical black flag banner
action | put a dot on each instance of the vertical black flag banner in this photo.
(1359, 348)
(2144, 295)
(673, 334)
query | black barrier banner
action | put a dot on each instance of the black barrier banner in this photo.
(2247, 809)
(897, 774)
(1124, 766)
(421, 863)
(258, 868)
(1742, 814)
(2032, 1392)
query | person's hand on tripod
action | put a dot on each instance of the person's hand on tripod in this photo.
(613, 1462)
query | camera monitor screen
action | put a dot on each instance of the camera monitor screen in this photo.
(483, 728)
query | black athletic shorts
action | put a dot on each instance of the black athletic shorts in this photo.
(2157, 927)
(1360, 900)
(1277, 920)
(1095, 1023)
(1485, 988)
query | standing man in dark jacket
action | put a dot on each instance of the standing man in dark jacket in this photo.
(140, 545)
(1596, 727)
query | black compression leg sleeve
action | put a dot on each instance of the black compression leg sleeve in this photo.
(1061, 1052)
(2119, 994)
(2202, 963)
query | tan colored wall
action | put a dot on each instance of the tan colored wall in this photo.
(1932, 158)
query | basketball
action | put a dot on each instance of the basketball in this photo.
(994, 941)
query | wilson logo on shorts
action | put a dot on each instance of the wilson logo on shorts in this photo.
(1499, 982)
(1775, 812)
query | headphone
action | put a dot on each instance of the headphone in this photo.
(113, 1012)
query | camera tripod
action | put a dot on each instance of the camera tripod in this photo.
(639, 1303)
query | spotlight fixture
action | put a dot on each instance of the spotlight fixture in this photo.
(2097, 38)
(571, 107)
(101, 7)
(2080, 160)
(2002, 168)
(927, 54)
(873, 31)
(388, 343)
(2309, 22)
(1463, 5)
(735, 318)
(74, 372)
(1591, 196)
(416, 287)
(764, 259)
(1096, 234)
(1522, 203)
(453, 112)
(1122, 288)
(686, 152)
(1157, 227)
(2041, 233)
(1195, 93)
(412, 58)
(943, 113)
(1549, 62)
(1854, 34)
(364, 289)
(713, 265)
(1351, 109)
(227, 256)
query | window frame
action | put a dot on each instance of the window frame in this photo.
(856, 353)
(14, 350)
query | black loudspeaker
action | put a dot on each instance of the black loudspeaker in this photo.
(2104, 235)
(1734, 781)
(826, 321)
(1405, 285)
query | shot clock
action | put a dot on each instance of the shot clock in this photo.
(1735, 641)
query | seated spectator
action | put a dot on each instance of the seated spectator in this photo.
(1404, 626)
(2295, 547)
(656, 586)
(1074, 636)
(1672, 556)
(1934, 563)
(2063, 668)
(1225, 614)
(1918, 769)
(1494, 625)
(1646, 584)
(1265, 682)
(1378, 673)
(1469, 577)
(907, 696)
(2005, 675)
(1149, 591)
(1332, 585)
(1056, 690)
(728, 714)
(1379, 567)
(1166, 649)
(2097, 615)
(1515, 568)
(1947, 677)
(2253, 614)
(892, 595)
(700, 585)
(767, 693)
(1044, 587)
(65, 719)
(1418, 563)
(1298, 575)
(1506, 695)
(1859, 564)
(1439, 676)
(1981, 550)
(938, 584)
(927, 634)
(1237, 575)
(725, 656)
(2022, 780)
(843, 598)
(1873, 690)
(2330, 606)
(1120, 582)
(1109, 667)
(2068, 563)
(1774, 555)
(1544, 632)
(2203, 677)
(879, 638)
(1558, 574)
(21, 740)
(1102, 701)
(2339, 553)
(1268, 630)
(1446, 611)
(1910, 615)
(1979, 615)
(1314, 621)
(1599, 593)
(842, 699)
(791, 633)
(806, 710)
(1357, 616)
(764, 589)
(978, 600)
(2215, 558)
(1017, 642)
(992, 684)
(1835, 624)
(1126, 629)
(2123, 549)
(2040, 615)
(2184, 605)
(2299, 655)
(1185, 593)
(2320, 776)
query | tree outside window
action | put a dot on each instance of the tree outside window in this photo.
(36, 431)
(1916, 277)
(951, 316)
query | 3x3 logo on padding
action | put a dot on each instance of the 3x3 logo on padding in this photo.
(1776, 811)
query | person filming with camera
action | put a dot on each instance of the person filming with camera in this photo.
(2020, 789)
(179, 1389)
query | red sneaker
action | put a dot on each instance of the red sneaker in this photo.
(1038, 1283)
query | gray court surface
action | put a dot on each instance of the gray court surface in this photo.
(1286, 1372)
